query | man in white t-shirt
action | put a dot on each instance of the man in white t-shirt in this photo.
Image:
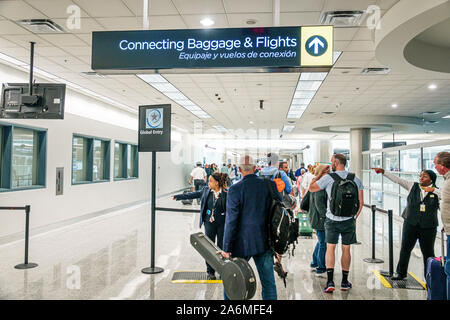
(198, 175)
(338, 226)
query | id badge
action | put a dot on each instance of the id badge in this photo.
(422, 207)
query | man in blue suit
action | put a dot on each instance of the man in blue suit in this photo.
(246, 224)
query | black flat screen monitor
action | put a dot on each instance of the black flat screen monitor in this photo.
(46, 101)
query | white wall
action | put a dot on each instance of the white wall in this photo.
(86, 116)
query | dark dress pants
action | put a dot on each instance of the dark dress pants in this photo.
(410, 235)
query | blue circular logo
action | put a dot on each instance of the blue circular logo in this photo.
(154, 119)
(316, 46)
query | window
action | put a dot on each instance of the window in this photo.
(125, 161)
(410, 160)
(22, 157)
(90, 159)
(429, 154)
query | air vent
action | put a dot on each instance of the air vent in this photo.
(327, 113)
(431, 113)
(375, 71)
(342, 19)
(41, 26)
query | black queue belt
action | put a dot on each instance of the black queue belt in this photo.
(177, 210)
(411, 281)
(27, 209)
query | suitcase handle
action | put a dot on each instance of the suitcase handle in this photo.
(443, 248)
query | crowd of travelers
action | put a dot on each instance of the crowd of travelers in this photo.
(236, 203)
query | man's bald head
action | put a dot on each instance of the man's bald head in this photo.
(247, 164)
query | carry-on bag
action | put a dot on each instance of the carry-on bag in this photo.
(436, 277)
(237, 275)
(305, 229)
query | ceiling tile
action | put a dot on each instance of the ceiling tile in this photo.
(121, 23)
(199, 6)
(87, 25)
(18, 10)
(56, 8)
(334, 5)
(8, 27)
(239, 20)
(63, 39)
(156, 7)
(253, 6)
(166, 22)
(299, 18)
(301, 5)
(24, 40)
(105, 8)
(193, 21)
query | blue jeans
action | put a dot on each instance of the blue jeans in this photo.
(264, 264)
(319, 252)
(447, 268)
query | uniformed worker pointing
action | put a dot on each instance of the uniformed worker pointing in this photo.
(420, 217)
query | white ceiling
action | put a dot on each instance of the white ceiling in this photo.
(67, 55)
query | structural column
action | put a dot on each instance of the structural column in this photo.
(359, 142)
(324, 151)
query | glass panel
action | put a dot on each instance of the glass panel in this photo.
(410, 160)
(376, 198)
(390, 186)
(130, 161)
(391, 202)
(1, 153)
(79, 159)
(375, 180)
(99, 160)
(366, 181)
(366, 196)
(24, 157)
(403, 203)
(118, 160)
(430, 153)
(366, 161)
(411, 177)
(375, 160)
(391, 161)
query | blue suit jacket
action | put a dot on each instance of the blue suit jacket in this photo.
(206, 202)
(248, 205)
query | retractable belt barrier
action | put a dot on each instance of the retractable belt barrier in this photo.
(390, 239)
(26, 264)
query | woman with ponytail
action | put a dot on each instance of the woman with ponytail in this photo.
(213, 199)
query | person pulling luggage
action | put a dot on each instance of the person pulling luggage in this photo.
(420, 217)
(212, 210)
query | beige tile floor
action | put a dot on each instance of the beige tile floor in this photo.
(102, 258)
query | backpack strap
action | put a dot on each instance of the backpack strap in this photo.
(335, 176)
(351, 176)
(270, 188)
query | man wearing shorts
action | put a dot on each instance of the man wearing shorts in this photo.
(337, 226)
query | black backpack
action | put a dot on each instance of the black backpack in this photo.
(282, 226)
(344, 199)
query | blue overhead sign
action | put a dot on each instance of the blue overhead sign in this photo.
(275, 47)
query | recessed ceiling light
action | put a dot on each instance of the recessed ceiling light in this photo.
(432, 86)
(394, 105)
(207, 22)
(328, 112)
(251, 122)
(251, 21)
(430, 113)
(446, 117)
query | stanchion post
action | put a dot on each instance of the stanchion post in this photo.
(373, 259)
(26, 264)
(152, 269)
(390, 273)
(391, 244)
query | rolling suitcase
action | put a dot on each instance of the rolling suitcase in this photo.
(238, 278)
(305, 229)
(436, 277)
(188, 201)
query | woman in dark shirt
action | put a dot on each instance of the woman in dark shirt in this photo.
(212, 210)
